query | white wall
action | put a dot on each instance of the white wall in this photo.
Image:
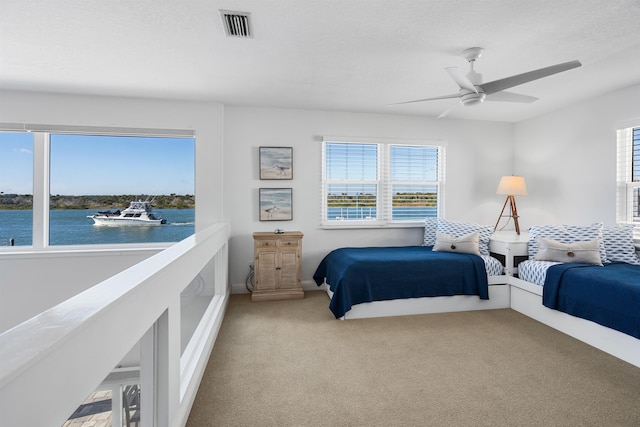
(478, 153)
(38, 282)
(568, 159)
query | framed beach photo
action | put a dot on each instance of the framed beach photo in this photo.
(276, 163)
(275, 204)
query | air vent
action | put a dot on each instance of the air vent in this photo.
(236, 24)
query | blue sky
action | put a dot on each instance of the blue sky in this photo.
(101, 165)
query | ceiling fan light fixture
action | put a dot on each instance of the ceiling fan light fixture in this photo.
(472, 98)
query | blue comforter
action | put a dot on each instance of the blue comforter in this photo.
(357, 275)
(608, 295)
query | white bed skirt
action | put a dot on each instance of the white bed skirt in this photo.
(498, 298)
(526, 298)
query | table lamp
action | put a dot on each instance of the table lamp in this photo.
(511, 186)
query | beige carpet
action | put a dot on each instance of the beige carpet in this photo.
(290, 363)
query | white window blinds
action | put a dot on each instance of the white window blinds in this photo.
(351, 185)
(380, 183)
(628, 178)
(414, 182)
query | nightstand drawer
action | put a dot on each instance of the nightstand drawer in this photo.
(266, 243)
(289, 243)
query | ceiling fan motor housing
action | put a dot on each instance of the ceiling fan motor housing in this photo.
(472, 98)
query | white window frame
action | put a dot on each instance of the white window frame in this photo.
(384, 184)
(41, 178)
(626, 188)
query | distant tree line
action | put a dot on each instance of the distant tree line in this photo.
(369, 200)
(25, 201)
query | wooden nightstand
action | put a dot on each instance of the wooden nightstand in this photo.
(510, 248)
(277, 269)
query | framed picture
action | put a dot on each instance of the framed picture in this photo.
(276, 163)
(275, 204)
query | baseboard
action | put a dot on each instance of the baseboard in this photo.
(307, 285)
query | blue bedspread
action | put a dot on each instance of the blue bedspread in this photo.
(608, 295)
(357, 275)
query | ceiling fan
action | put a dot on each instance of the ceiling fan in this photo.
(473, 91)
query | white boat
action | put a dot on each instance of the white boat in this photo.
(138, 213)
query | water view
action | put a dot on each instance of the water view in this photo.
(369, 213)
(72, 227)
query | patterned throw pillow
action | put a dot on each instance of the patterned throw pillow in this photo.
(618, 243)
(430, 225)
(566, 234)
(459, 229)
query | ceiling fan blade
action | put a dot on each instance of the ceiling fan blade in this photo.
(506, 83)
(448, 110)
(510, 97)
(462, 80)
(455, 95)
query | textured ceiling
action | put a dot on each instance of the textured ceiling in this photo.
(347, 55)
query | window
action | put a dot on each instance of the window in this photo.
(414, 182)
(85, 179)
(628, 181)
(16, 188)
(377, 184)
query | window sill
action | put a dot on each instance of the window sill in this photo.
(379, 225)
(85, 250)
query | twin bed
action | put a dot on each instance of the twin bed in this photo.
(358, 279)
(597, 304)
(596, 299)
(449, 273)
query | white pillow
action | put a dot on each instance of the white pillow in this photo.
(468, 244)
(459, 229)
(583, 252)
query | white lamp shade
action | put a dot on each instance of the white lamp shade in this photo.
(512, 186)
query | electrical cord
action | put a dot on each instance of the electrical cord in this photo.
(249, 280)
(505, 226)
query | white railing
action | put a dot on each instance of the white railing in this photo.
(51, 362)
